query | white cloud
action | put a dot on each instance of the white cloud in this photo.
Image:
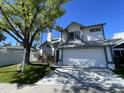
(118, 35)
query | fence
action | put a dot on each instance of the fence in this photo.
(11, 57)
(14, 55)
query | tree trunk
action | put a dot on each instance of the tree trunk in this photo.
(27, 56)
(27, 53)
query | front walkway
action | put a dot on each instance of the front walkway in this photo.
(71, 80)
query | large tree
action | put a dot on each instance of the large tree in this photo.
(25, 19)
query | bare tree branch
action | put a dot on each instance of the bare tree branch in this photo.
(19, 26)
(11, 35)
(33, 36)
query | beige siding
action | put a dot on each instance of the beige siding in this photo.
(74, 28)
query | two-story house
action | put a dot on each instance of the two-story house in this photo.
(85, 46)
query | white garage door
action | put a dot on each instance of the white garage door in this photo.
(84, 57)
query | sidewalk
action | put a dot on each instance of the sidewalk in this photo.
(14, 88)
(10, 88)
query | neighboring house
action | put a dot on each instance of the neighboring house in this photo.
(49, 47)
(118, 51)
(85, 46)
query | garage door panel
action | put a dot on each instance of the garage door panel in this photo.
(84, 57)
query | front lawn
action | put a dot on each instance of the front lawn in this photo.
(119, 71)
(32, 74)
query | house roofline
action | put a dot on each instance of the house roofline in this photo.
(102, 24)
(100, 43)
(119, 42)
(83, 26)
(95, 46)
(73, 23)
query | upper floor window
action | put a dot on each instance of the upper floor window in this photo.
(74, 35)
(95, 29)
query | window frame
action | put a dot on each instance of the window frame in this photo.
(75, 36)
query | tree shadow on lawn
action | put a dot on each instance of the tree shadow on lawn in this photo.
(32, 74)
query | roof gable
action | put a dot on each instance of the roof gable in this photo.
(73, 23)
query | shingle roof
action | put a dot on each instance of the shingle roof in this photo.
(120, 41)
(54, 43)
(98, 43)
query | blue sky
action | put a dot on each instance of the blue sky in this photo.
(89, 12)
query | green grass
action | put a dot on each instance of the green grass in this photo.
(119, 71)
(32, 73)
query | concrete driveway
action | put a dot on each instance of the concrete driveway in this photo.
(79, 80)
(71, 80)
